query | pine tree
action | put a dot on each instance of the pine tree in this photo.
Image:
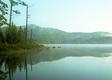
(12, 4)
(3, 12)
(3, 20)
(11, 34)
(2, 40)
(21, 35)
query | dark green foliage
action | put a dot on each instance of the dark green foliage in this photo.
(21, 35)
(11, 37)
(11, 34)
(2, 39)
(3, 12)
(15, 35)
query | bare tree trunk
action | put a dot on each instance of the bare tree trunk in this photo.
(10, 19)
(31, 34)
(26, 23)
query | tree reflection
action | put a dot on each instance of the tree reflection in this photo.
(3, 75)
(12, 62)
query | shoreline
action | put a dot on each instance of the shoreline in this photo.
(19, 47)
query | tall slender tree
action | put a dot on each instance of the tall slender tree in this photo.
(11, 34)
(21, 35)
(12, 4)
(26, 30)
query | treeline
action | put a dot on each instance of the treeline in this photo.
(11, 36)
(14, 38)
(55, 36)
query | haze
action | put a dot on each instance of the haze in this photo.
(70, 15)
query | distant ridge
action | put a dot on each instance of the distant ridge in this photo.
(52, 35)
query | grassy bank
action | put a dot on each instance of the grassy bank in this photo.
(8, 47)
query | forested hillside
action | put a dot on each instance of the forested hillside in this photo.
(51, 35)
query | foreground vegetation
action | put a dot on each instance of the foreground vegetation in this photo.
(14, 37)
(7, 47)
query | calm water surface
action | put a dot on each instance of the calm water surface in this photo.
(60, 62)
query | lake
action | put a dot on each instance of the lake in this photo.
(59, 62)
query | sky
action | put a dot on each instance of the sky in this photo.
(69, 15)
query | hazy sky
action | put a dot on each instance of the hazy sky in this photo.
(70, 15)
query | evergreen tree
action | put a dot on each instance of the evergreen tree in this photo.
(11, 34)
(3, 20)
(3, 12)
(2, 40)
(12, 4)
(21, 35)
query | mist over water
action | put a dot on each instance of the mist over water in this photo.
(61, 62)
(56, 40)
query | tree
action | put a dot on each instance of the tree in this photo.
(3, 20)
(11, 34)
(3, 12)
(21, 35)
(2, 40)
(12, 4)
(26, 30)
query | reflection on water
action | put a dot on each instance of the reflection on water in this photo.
(12, 61)
(67, 62)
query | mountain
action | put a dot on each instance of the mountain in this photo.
(51, 35)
